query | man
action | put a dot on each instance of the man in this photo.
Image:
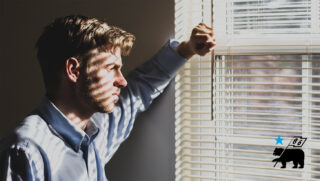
(83, 119)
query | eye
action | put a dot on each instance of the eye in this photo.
(111, 67)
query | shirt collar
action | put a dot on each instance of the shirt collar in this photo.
(64, 128)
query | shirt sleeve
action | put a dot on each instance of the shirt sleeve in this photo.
(145, 83)
(149, 80)
(22, 163)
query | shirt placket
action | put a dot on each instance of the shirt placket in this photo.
(90, 159)
(92, 166)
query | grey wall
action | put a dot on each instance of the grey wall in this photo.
(148, 154)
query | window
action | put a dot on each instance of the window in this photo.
(262, 81)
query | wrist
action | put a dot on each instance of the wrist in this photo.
(184, 49)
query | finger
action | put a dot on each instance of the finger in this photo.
(210, 45)
(202, 30)
(204, 49)
(203, 38)
(206, 27)
(211, 41)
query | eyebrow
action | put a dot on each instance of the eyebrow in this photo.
(99, 61)
(113, 63)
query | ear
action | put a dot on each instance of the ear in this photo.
(72, 69)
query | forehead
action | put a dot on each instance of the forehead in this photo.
(106, 57)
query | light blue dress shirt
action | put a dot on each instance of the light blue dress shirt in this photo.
(48, 146)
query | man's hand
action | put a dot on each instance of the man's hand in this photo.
(201, 42)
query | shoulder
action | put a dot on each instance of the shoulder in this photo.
(25, 136)
(22, 149)
(26, 140)
(34, 122)
(22, 134)
(34, 128)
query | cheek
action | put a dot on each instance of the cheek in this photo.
(104, 77)
(102, 73)
(100, 84)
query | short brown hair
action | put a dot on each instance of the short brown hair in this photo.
(75, 36)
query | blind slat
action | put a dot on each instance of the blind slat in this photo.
(263, 81)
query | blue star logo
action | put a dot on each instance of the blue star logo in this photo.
(279, 140)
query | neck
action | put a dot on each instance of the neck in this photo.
(73, 110)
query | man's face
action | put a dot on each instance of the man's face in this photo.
(102, 80)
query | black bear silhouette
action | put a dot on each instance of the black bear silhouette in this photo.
(295, 155)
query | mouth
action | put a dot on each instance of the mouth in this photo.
(116, 93)
(115, 96)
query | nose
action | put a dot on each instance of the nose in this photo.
(120, 81)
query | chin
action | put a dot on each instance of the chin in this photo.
(106, 109)
(103, 106)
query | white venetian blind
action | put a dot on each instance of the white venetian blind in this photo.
(262, 81)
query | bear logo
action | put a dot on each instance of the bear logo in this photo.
(295, 155)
